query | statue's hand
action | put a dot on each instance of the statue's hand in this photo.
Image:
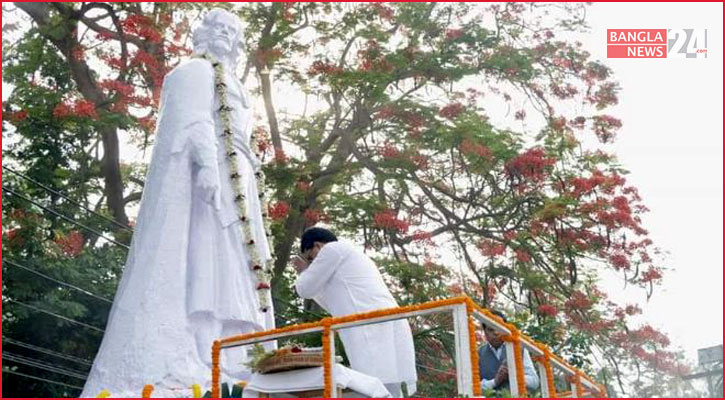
(208, 181)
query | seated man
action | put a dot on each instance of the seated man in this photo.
(492, 363)
(343, 281)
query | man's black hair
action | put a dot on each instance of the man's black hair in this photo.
(499, 314)
(314, 234)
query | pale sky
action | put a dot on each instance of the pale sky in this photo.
(671, 143)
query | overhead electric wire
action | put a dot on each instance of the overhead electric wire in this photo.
(46, 351)
(95, 328)
(31, 362)
(37, 378)
(49, 190)
(69, 219)
(36, 272)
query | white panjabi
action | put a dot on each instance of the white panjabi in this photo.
(343, 281)
(187, 278)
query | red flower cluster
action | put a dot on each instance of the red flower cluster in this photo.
(78, 53)
(141, 26)
(595, 72)
(279, 156)
(532, 165)
(147, 123)
(384, 12)
(386, 112)
(606, 96)
(582, 186)
(268, 56)
(412, 119)
(605, 127)
(85, 108)
(420, 161)
(372, 58)
(323, 68)
(62, 110)
(619, 261)
(81, 108)
(18, 116)
(71, 244)
(279, 210)
(651, 275)
(303, 186)
(263, 142)
(388, 219)
(647, 333)
(14, 238)
(547, 310)
(422, 236)
(388, 151)
(471, 148)
(452, 111)
(522, 255)
(490, 248)
(116, 86)
(634, 341)
(563, 92)
(578, 122)
(491, 291)
(455, 289)
(453, 34)
(313, 216)
(578, 301)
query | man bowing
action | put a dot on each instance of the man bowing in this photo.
(343, 281)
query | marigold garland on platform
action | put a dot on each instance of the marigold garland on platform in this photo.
(254, 335)
(326, 357)
(545, 360)
(215, 370)
(262, 270)
(515, 338)
(473, 348)
(147, 390)
(578, 384)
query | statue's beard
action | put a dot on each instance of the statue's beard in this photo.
(220, 48)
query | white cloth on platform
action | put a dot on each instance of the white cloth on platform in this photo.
(311, 379)
(343, 281)
(187, 279)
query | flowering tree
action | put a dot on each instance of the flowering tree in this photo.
(401, 154)
(85, 78)
(396, 145)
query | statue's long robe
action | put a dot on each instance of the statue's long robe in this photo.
(187, 278)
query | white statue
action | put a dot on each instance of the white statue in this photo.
(197, 268)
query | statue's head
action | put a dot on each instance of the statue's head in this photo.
(220, 35)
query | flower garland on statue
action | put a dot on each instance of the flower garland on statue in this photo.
(262, 270)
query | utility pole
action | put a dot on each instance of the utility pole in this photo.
(710, 360)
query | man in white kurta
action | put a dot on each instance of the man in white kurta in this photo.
(343, 281)
(187, 279)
